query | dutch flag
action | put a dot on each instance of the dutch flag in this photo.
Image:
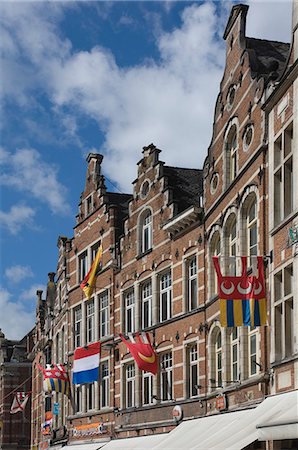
(86, 364)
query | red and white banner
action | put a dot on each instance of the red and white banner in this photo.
(19, 402)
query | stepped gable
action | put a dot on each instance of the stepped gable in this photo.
(267, 58)
(185, 185)
(121, 201)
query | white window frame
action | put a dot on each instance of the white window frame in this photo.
(77, 326)
(234, 345)
(90, 321)
(232, 246)
(104, 384)
(146, 289)
(218, 361)
(147, 388)
(283, 157)
(192, 270)
(165, 295)
(79, 399)
(252, 224)
(253, 368)
(129, 301)
(284, 302)
(192, 354)
(104, 314)
(83, 265)
(90, 395)
(130, 380)
(166, 377)
(215, 250)
(146, 239)
(231, 149)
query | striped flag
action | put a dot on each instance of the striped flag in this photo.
(55, 379)
(87, 285)
(242, 299)
(86, 364)
(19, 402)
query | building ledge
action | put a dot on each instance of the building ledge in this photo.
(183, 220)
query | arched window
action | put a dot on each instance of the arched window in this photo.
(252, 229)
(231, 147)
(215, 250)
(231, 244)
(146, 232)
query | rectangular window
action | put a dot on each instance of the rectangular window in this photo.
(77, 327)
(83, 266)
(130, 312)
(147, 388)
(253, 351)
(88, 205)
(90, 322)
(78, 399)
(192, 358)
(130, 385)
(165, 297)
(90, 395)
(192, 291)
(104, 387)
(166, 377)
(94, 250)
(283, 312)
(147, 233)
(234, 355)
(104, 314)
(283, 175)
(146, 305)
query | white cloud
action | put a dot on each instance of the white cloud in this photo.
(18, 216)
(16, 319)
(17, 273)
(269, 19)
(30, 293)
(169, 101)
(27, 172)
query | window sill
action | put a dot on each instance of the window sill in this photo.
(141, 255)
(284, 222)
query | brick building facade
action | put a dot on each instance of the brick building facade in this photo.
(15, 376)
(157, 274)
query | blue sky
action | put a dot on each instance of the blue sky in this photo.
(98, 76)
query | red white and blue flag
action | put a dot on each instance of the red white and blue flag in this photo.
(86, 364)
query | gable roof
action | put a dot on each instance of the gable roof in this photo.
(267, 58)
(185, 185)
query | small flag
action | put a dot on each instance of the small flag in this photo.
(142, 352)
(242, 299)
(55, 379)
(87, 285)
(86, 364)
(19, 402)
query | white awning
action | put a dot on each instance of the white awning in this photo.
(135, 443)
(202, 433)
(85, 446)
(236, 430)
(283, 425)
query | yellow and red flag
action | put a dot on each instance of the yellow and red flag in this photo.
(242, 299)
(142, 352)
(88, 283)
